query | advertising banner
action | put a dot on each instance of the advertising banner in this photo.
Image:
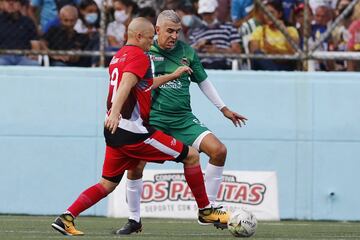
(167, 195)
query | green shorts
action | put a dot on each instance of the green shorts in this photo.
(186, 128)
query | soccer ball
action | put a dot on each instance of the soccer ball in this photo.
(242, 223)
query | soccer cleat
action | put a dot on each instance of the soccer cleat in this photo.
(215, 216)
(130, 227)
(65, 224)
(216, 205)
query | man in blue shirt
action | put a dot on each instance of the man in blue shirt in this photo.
(241, 11)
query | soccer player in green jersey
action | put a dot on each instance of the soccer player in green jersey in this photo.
(171, 113)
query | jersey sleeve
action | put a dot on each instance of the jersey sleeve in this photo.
(199, 73)
(138, 65)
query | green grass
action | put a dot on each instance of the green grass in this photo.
(38, 227)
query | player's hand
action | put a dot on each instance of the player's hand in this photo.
(182, 69)
(112, 122)
(236, 118)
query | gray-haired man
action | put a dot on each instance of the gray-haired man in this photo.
(171, 113)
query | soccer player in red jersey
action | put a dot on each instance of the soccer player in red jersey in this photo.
(129, 137)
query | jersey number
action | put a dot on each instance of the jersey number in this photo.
(114, 82)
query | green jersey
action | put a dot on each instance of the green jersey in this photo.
(172, 99)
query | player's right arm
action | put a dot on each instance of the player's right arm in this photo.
(128, 81)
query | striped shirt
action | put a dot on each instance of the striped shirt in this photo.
(222, 35)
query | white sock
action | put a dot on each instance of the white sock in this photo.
(213, 179)
(133, 193)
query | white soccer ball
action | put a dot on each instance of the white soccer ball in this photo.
(242, 223)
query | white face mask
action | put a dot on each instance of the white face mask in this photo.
(121, 16)
(210, 25)
(187, 20)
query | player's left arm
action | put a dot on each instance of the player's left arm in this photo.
(160, 80)
(127, 82)
(210, 92)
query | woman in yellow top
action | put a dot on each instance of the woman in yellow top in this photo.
(268, 39)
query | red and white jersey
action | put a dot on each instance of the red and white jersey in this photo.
(136, 109)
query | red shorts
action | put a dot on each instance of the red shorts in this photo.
(157, 148)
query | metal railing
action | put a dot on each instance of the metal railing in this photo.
(304, 54)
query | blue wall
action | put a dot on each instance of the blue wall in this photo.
(304, 126)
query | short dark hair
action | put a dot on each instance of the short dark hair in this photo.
(186, 8)
(130, 3)
(147, 12)
(276, 4)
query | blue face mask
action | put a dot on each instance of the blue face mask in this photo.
(91, 18)
(187, 20)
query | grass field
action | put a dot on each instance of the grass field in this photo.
(38, 227)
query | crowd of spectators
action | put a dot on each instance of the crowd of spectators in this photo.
(209, 26)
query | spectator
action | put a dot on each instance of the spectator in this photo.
(56, 21)
(354, 45)
(189, 21)
(322, 18)
(64, 37)
(223, 13)
(155, 4)
(88, 23)
(298, 20)
(247, 26)
(25, 7)
(195, 4)
(53, 23)
(123, 14)
(89, 18)
(47, 12)
(17, 32)
(340, 34)
(288, 9)
(149, 13)
(171, 4)
(314, 4)
(241, 11)
(268, 39)
(214, 37)
(320, 24)
(107, 4)
(356, 12)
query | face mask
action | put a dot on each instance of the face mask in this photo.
(120, 16)
(187, 20)
(91, 18)
(210, 25)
